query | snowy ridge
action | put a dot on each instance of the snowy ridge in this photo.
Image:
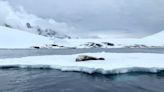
(20, 19)
(156, 39)
(157, 36)
(115, 63)
(13, 38)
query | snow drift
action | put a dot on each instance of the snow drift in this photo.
(115, 63)
(13, 38)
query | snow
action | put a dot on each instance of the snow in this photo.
(152, 40)
(118, 42)
(18, 19)
(115, 63)
(155, 39)
(13, 38)
(157, 36)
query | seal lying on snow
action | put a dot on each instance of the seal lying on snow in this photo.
(87, 58)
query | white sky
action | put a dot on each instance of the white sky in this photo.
(137, 17)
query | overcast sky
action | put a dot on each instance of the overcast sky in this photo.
(138, 17)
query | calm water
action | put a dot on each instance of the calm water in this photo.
(13, 53)
(48, 80)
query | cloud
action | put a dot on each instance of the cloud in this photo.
(135, 16)
(19, 18)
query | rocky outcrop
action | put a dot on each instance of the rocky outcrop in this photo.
(55, 45)
(92, 45)
(108, 44)
(142, 46)
(97, 45)
(35, 47)
(28, 25)
(81, 58)
(52, 46)
(137, 46)
(7, 25)
(51, 33)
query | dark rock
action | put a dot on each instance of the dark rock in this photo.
(93, 45)
(7, 25)
(87, 58)
(61, 46)
(39, 31)
(50, 33)
(107, 43)
(137, 46)
(36, 47)
(28, 25)
(98, 45)
(54, 45)
(69, 37)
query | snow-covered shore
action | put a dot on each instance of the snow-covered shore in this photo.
(152, 41)
(14, 38)
(114, 63)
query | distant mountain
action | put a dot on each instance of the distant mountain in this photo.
(20, 19)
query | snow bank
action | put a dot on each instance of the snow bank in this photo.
(114, 63)
(12, 38)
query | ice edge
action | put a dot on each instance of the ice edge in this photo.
(86, 69)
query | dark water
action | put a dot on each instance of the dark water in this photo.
(48, 80)
(14, 53)
(26, 80)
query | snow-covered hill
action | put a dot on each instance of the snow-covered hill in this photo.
(13, 38)
(16, 20)
(20, 19)
(152, 41)
(157, 36)
(156, 39)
